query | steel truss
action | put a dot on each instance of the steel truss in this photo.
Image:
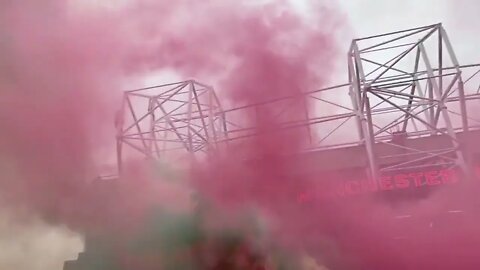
(401, 85)
(183, 116)
(411, 75)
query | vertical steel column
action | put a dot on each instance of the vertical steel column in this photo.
(307, 118)
(189, 116)
(361, 105)
(211, 120)
(461, 91)
(353, 92)
(119, 121)
(370, 140)
(443, 110)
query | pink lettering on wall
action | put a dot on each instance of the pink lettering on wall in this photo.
(386, 183)
(401, 181)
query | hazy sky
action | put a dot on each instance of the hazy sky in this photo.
(370, 17)
(367, 17)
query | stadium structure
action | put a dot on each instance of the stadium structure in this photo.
(405, 122)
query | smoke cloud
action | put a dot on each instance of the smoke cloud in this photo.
(61, 65)
(63, 61)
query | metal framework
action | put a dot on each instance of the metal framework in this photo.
(401, 85)
(183, 116)
(410, 76)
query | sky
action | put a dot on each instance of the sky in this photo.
(363, 17)
(370, 17)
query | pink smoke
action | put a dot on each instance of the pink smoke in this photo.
(61, 66)
(59, 69)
